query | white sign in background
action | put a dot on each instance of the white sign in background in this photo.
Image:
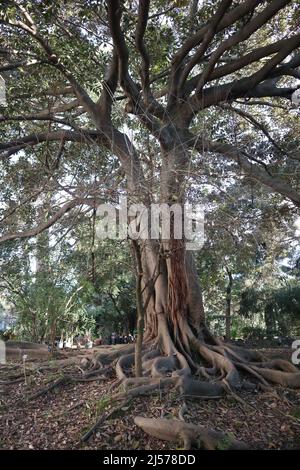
(2, 352)
(2, 92)
(296, 353)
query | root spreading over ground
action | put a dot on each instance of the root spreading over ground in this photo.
(209, 399)
(195, 368)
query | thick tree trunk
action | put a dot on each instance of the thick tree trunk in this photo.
(175, 308)
(175, 298)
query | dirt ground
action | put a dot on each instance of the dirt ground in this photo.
(58, 419)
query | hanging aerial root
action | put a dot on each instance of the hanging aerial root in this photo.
(191, 434)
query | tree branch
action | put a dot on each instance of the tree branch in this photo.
(141, 26)
(17, 65)
(114, 17)
(224, 5)
(241, 62)
(109, 87)
(34, 139)
(47, 224)
(230, 18)
(131, 89)
(39, 117)
(255, 123)
(244, 33)
(253, 171)
(52, 57)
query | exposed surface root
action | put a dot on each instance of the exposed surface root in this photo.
(13, 381)
(144, 386)
(125, 362)
(210, 371)
(246, 354)
(191, 435)
(221, 363)
(104, 417)
(98, 371)
(163, 365)
(168, 364)
(48, 388)
(251, 371)
(288, 379)
(278, 364)
(195, 388)
(102, 359)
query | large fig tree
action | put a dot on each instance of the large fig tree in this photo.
(133, 84)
